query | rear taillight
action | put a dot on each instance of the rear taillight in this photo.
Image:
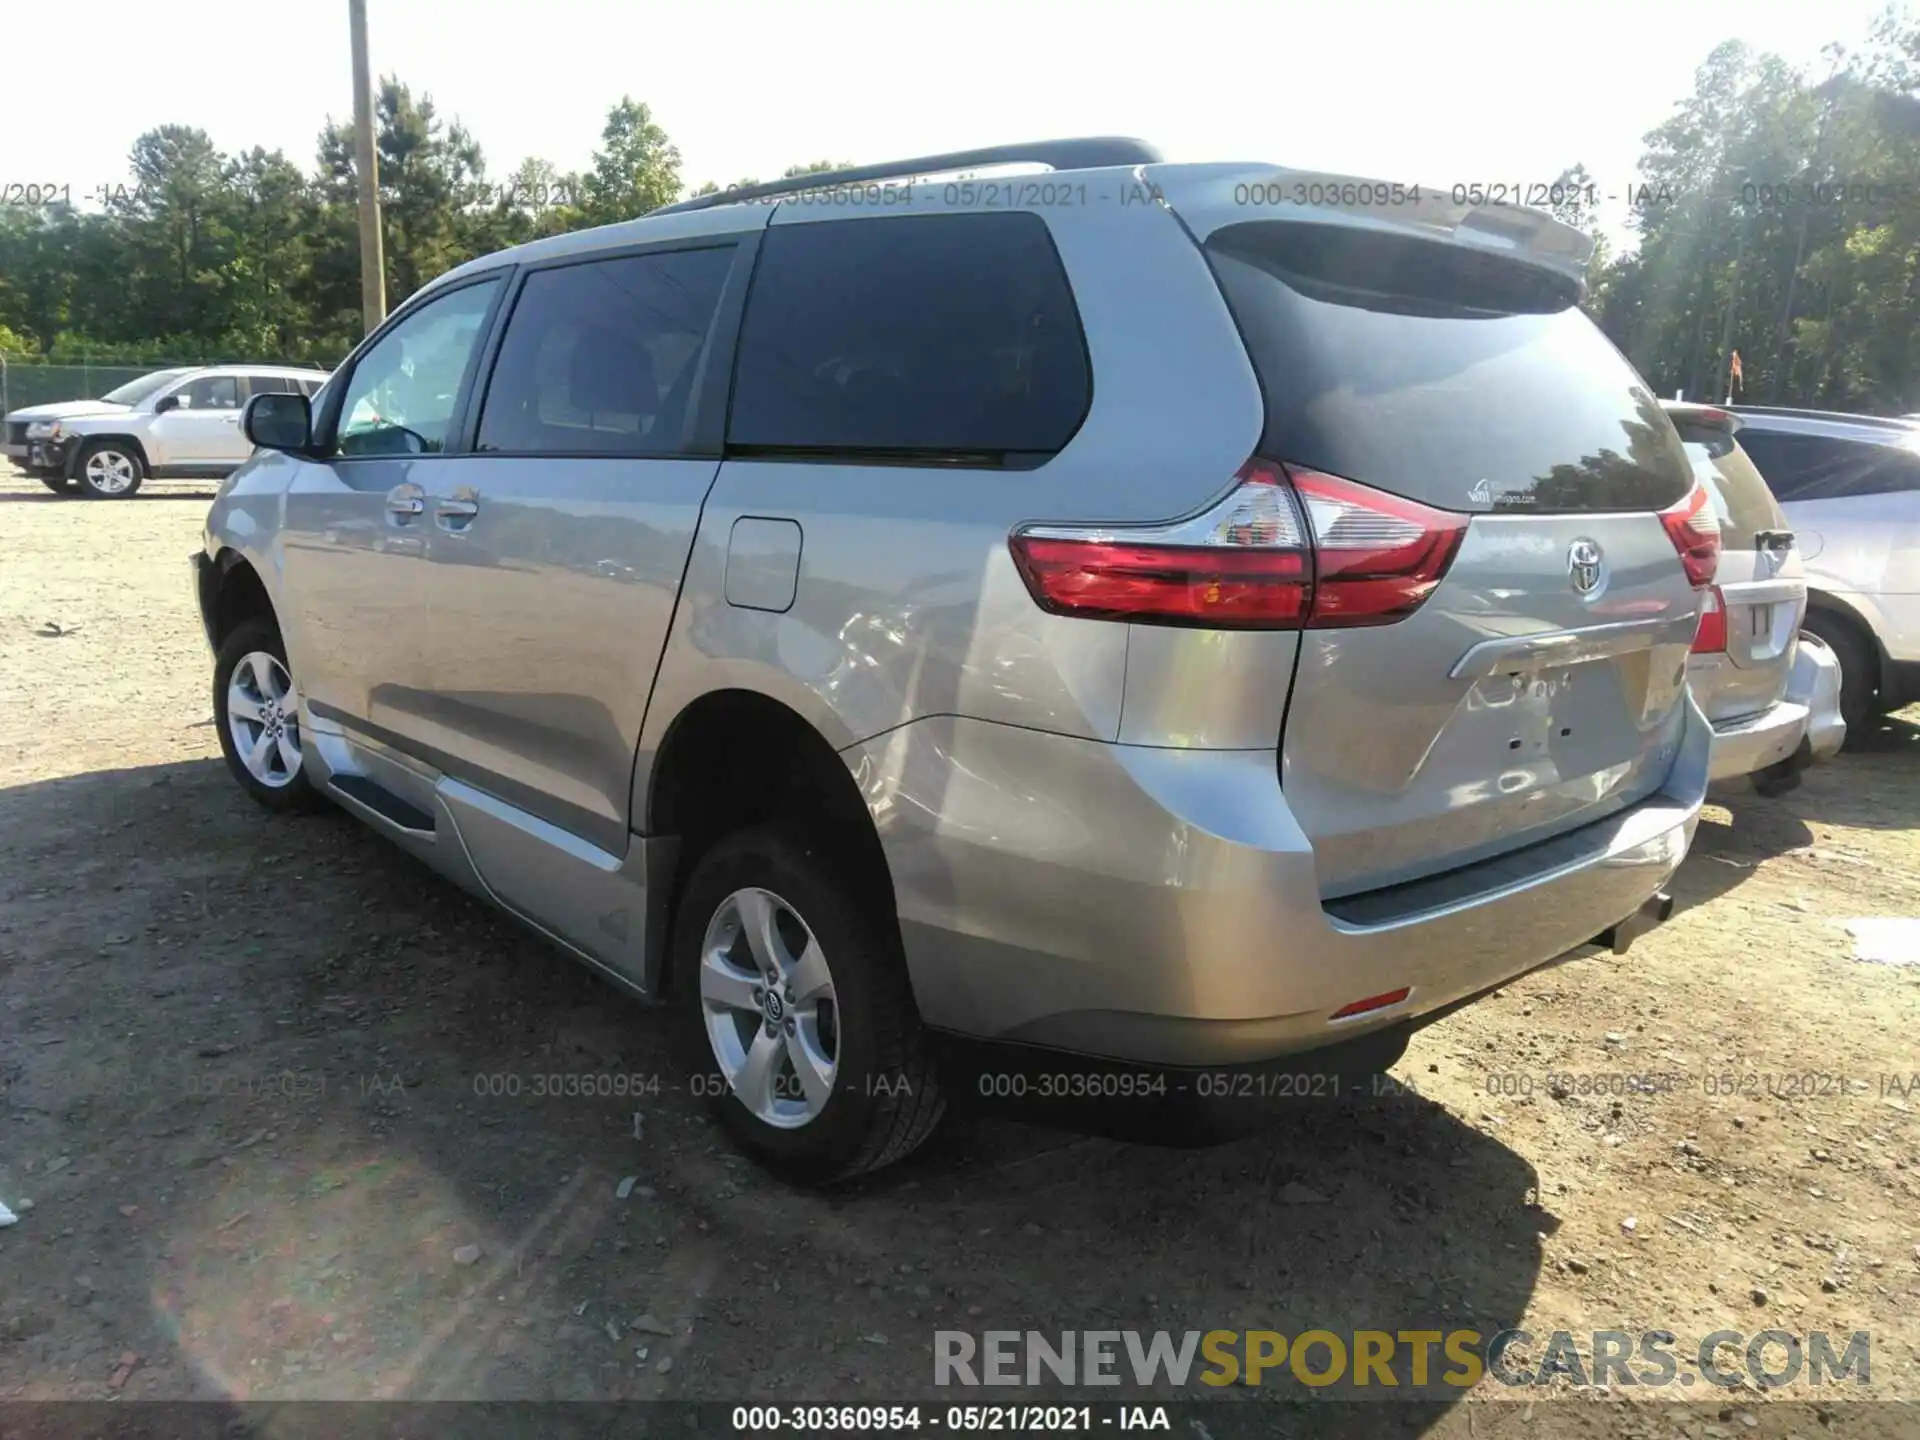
(1376, 556)
(1285, 550)
(1710, 635)
(1695, 533)
(1242, 565)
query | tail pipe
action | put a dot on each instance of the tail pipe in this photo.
(1654, 912)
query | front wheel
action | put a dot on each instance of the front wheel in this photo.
(797, 1010)
(110, 470)
(256, 711)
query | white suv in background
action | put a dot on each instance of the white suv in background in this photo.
(1849, 486)
(171, 425)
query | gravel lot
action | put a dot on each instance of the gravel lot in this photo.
(242, 1062)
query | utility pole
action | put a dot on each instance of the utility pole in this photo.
(373, 283)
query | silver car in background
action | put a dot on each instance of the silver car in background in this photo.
(1143, 629)
(1771, 690)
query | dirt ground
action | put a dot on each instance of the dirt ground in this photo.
(245, 1064)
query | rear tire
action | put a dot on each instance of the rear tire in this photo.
(256, 714)
(1859, 665)
(109, 470)
(843, 1007)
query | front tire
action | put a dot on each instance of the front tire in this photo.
(109, 470)
(54, 481)
(796, 1010)
(256, 711)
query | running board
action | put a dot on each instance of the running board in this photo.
(370, 795)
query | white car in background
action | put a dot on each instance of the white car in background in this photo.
(1850, 488)
(179, 424)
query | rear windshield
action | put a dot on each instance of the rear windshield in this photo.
(1739, 496)
(1447, 375)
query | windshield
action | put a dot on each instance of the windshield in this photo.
(134, 391)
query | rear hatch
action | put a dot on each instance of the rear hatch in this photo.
(1743, 651)
(1534, 679)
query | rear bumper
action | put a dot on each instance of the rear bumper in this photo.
(1160, 905)
(1754, 742)
(1803, 728)
(1816, 684)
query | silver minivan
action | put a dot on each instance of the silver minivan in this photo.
(1116, 636)
(1771, 691)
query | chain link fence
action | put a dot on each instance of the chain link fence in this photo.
(34, 382)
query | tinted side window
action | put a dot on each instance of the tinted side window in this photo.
(273, 385)
(400, 398)
(949, 336)
(601, 358)
(211, 392)
(1814, 467)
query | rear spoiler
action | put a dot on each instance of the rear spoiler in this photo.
(1702, 417)
(1210, 196)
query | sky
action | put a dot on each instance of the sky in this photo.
(1398, 90)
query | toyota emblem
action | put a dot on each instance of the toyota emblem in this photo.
(1586, 567)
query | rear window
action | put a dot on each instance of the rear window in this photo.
(948, 338)
(1817, 467)
(1448, 375)
(1738, 494)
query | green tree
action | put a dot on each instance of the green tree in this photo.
(636, 168)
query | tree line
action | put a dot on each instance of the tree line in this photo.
(1776, 215)
(202, 255)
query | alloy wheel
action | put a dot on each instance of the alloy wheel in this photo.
(766, 994)
(111, 472)
(263, 717)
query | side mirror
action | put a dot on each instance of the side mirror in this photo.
(166, 403)
(279, 421)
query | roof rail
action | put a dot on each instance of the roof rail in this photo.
(1085, 153)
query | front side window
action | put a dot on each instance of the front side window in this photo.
(210, 392)
(950, 338)
(400, 398)
(601, 358)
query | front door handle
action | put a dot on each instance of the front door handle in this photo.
(404, 502)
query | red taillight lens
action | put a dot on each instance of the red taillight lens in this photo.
(1695, 532)
(1710, 635)
(1376, 556)
(1285, 549)
(1242, 565)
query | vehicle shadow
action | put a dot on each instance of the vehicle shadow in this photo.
(1865, 786)
(144, 495)
(297, 1075)
(1896, 734)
